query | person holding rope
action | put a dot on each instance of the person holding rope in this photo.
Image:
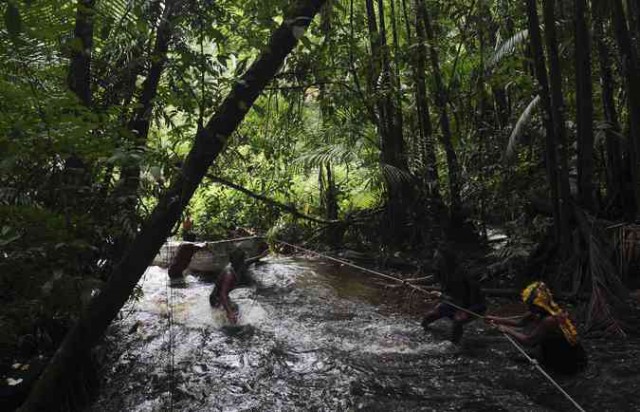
(459, 292)
(548, 328)
(233, 275)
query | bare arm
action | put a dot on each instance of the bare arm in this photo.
(256, 258)
(516, 322)
(536, 336)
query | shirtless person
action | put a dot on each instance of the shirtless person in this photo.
(182, 259)
(233, 275)
(458, 288)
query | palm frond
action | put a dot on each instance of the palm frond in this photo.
(41, 34)
(394, 176)
(335, 153)
(516, 133)
(506, 48)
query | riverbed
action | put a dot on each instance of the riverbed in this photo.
(315, 336)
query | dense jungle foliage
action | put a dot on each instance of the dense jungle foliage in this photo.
(392, 126)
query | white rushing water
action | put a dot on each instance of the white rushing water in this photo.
(311, 336)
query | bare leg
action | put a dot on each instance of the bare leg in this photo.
(459, 320)
(431, 316)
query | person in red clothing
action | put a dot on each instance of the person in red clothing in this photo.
(187, 226)
(182, 259)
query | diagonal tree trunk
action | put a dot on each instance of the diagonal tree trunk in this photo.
(209, 142)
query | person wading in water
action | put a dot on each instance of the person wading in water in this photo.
(187, 230)
(233, 275)
(548, 328)
(457, 288)
(182, 259)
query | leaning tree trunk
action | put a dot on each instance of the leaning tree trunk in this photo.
(584, 104)
(558, 114)
(79, 78)
(551, 149)
(209, 142)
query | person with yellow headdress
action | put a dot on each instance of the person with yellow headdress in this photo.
(547, 327)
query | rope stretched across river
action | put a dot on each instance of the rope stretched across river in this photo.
(531, 360)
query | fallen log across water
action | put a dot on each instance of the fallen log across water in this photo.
(215, 255)
(51, 388)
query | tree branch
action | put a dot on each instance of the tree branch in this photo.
(272, 202)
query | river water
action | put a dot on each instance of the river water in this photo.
(314, 336)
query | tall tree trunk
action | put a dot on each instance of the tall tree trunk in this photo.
(425, 129)
(139, 124)
(614, 159)
(584, 105)
(633, 13)
(393, 144)
(551, 147)
(558, 116)
(79, 78)
(392, 156)
(395, 82)
(328, 189)
(209, 142)
(445, 125)
(629, 65)
(79, 82)
(121, 86)
(484, 111)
